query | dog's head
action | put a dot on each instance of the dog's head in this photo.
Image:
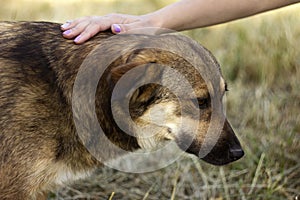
(168, 110)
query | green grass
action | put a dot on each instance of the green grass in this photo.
(260, 58)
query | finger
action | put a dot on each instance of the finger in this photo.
(135, 27)
(117, 28)
(88, 33)
(66, 25)
(75, 31)
(70, 24)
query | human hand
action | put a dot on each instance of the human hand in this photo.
(84, 28)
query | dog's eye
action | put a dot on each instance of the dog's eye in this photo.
(202, 102)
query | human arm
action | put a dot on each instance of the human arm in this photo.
(190, 14)
(181, 15)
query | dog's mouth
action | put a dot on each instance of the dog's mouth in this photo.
(218, 155)
(222, 158)
(225, 150)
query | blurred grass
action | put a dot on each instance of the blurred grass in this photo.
(260, 58)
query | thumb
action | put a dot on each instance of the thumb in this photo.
(122, 28)
(136, 27)
(117, 28)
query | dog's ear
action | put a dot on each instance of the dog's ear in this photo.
(134, 59)
(142, 79)
(132, 78)
(119, 71)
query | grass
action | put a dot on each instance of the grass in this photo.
(260, 59)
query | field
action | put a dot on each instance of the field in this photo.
(260, 59)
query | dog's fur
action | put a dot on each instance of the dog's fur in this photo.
(39, 145)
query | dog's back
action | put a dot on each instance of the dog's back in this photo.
(38, 144)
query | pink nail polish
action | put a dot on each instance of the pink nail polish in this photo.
(116, 28)
(77, 38)
(67, 32)
(65, 25)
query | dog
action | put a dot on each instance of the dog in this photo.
(43, 138)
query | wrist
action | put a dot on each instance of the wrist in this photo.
(152, 20)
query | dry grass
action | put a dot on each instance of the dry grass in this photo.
(260, 58)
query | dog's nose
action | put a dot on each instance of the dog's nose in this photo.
(236, 153)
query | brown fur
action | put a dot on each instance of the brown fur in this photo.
(38, 139)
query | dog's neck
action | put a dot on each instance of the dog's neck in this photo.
(66, 66)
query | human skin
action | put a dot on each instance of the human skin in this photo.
(179, 16)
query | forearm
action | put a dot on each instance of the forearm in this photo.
(189, 14)
(179, 16)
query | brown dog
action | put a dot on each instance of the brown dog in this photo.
(40, 146)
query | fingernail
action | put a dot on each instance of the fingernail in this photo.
(67, 32)
(77, 38)
(65, 25)
(116, 28)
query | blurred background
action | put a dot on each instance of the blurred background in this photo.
(260, 59)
